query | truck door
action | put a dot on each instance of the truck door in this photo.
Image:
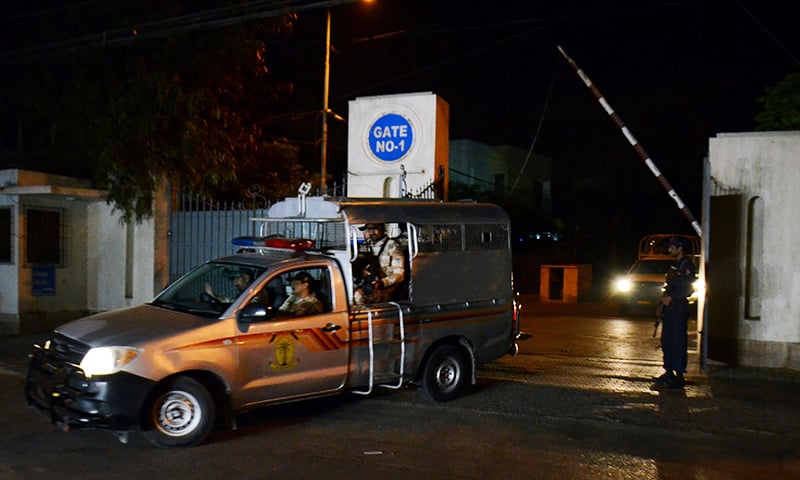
(302, 349)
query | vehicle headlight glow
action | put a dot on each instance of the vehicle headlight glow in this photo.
(623, 285)
(698, 289)
(107, 360)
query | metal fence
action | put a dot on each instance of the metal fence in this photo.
(201, 229)
(433, 190)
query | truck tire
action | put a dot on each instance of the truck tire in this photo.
(445, 374)
(181, 415)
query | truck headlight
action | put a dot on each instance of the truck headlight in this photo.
(107, 360)
(623, 285)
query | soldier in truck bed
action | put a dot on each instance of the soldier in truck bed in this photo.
(390, 257)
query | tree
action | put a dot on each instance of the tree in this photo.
(781, 105)
(164, 103)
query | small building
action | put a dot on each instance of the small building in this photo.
(503, 170)
(64, 252)
(752, 249)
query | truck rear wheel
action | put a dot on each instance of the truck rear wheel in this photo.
(446, 372)
(181, 415)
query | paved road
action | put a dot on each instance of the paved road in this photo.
(575, 403)
(593, 349)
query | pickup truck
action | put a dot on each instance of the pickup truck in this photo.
(643, 283)
(221, 339)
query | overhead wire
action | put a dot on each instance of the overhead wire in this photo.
(538, 129)
(213, 18)
(437, 64)
(769, 34)
(482, 48)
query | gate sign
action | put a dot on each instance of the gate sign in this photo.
(390, 137)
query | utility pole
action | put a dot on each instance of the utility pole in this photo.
(324, 142)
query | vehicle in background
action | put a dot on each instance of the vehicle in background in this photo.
(642, 286)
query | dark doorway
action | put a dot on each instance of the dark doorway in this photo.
(724, 277)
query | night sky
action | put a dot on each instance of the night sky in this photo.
(676, 71)
(693, 66)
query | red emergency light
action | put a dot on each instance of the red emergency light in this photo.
(297, 244)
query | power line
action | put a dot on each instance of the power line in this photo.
(214, 18)
(769, 34)
(538, 129)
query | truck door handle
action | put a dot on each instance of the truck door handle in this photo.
(331, 327)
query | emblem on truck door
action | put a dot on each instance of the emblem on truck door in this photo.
(284, 355)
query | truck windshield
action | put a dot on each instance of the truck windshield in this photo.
(650, 267)
(209, 289)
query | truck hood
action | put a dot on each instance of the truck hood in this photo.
(129, 326)
(646, 277)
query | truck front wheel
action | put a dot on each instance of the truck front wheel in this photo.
(181, 415)
(446, 372)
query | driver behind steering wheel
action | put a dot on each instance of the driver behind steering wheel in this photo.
(240, 283)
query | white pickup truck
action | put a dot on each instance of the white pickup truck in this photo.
(220, 340)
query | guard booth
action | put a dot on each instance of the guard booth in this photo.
(565, 283)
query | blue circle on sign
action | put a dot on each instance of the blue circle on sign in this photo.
(390, 137)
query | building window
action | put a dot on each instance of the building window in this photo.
(6, 230)
(44, 237)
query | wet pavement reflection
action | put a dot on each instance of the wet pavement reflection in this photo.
(575, 403)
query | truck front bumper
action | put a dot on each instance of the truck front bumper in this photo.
(60, 391)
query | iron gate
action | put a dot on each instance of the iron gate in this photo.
(201, 229)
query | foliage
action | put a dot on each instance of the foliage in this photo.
(183, 106)
(781, 105)
(462, 191)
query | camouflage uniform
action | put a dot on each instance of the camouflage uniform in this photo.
(392, 261)
(297, 305)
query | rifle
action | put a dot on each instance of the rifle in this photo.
(659, 317)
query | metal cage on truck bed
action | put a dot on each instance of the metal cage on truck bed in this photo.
(448, 244)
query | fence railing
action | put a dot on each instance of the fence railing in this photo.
(201, 229)
(431, 191)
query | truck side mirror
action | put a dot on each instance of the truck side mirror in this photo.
(255, 312)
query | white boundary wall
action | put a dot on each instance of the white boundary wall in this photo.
(764, 167)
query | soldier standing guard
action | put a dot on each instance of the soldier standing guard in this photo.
(674, 336)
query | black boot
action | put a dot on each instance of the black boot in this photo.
(665, 377)
(676, 381)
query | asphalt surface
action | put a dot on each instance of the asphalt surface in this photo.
(590, 347)
(597, 355)
(579, 396)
